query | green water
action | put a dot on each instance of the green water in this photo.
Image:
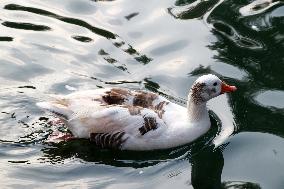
(52, 47)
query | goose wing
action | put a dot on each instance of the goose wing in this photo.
(95, 115)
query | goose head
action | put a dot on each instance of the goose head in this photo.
(203, 89)
(207, 87)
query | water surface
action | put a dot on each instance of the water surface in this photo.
(56, 47)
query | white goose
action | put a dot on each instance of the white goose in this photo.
(137, 120)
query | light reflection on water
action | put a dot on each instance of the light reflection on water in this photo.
(270, 99)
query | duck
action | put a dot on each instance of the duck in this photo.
(137, 120)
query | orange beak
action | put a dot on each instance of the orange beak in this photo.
(225, 88)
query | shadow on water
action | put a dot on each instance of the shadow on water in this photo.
(117, 41)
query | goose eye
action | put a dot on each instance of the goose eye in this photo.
(215, 84)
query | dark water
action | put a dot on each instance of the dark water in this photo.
(52, 46)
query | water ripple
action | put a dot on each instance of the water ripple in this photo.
(169, 48)
(108, 43)
(272, 20)
(26, 26)
(96, 30)
(258, 7)
(196, 9)
(82, 39)
(130, 16)
(21, 72)
(101, 32)
(6, 38)
(241, 41)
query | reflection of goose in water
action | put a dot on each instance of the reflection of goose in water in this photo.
(84, 150)
(138, 120)
(207, 166)
(206, 163)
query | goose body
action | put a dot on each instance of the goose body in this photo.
(134, 120)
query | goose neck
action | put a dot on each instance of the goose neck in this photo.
(196, 111)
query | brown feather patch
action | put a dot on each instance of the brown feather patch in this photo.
(133, 110)
(63, 102)
(116, 96)
(144, 99)
(159, 108)
(196, 91)
(150, 123)
(108, 140)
